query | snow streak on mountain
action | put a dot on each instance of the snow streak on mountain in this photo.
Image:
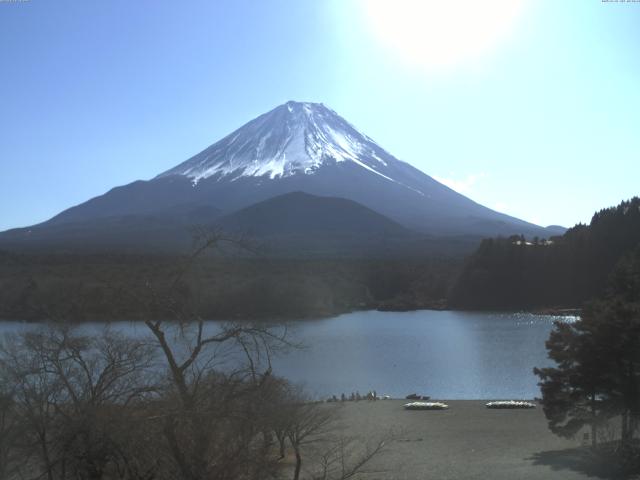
(294, 138)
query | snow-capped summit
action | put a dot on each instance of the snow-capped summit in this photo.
(294, 138)
(296, 147)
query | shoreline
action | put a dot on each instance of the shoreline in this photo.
(550, 311)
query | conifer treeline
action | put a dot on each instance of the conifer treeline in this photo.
(564, 271)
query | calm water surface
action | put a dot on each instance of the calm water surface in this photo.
(449, 355)
(452, 355)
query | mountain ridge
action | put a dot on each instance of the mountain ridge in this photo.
(298, 147)
(297, 212)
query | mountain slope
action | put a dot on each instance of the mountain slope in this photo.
(153, 232)
(299, 213)
(298, 224)
(296, 147)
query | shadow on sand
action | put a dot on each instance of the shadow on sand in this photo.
(597, 464)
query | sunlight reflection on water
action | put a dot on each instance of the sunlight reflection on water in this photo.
(445, 354)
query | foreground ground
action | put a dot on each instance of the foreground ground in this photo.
(468, 441)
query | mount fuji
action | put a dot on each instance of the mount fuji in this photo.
(296, 147)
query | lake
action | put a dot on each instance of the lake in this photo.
(444, 354)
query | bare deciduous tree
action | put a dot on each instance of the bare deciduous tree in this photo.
(190, 400)
(314, 431)
(71, 394)
(10, 428)
(347, 457)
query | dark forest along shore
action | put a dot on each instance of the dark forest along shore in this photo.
(444, 354)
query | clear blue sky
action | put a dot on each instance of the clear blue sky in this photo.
(543, 123)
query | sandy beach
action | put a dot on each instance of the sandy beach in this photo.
(464, 442)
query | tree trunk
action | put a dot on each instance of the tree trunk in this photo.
(267, 439)
(594, 427)
(94, 473)
(45, 455)
(296, 473)
(625, 427)
(175, 450)
(633, 425)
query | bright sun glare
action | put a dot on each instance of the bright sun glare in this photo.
(441, 33)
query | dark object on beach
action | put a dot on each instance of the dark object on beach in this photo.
(415, 396)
